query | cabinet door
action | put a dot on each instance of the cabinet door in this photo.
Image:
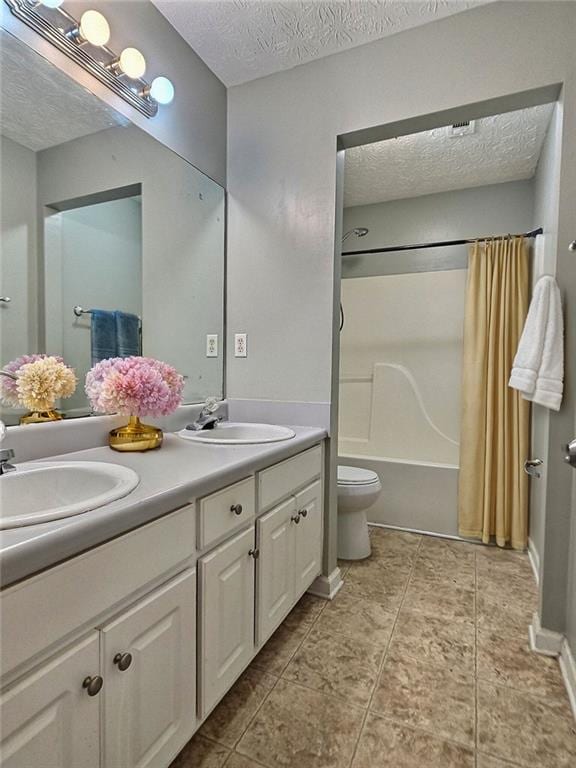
(275, 567)
(308, 537)
(150, 703)
(48, 719)
(226, 616)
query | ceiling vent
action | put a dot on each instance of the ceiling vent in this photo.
(464, 128)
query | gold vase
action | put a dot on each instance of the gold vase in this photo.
(40, 417)
(135, 436)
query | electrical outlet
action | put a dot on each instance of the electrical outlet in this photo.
(211, 345)
(240, 345)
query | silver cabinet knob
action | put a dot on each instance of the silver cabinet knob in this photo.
(123, 661)
(303, 512)
(295, 518)
(93, 685)
(255, 553)
(236, 508)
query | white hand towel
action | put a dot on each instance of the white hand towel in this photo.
(538, 369)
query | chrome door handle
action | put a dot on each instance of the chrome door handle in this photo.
(570, 457)
(531, 467)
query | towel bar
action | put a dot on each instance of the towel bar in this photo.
(79, 311)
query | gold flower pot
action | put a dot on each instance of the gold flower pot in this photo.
(135, 436)
(40, 417)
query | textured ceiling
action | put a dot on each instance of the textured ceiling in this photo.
(503, 148)
(241, 40)
(40, 106)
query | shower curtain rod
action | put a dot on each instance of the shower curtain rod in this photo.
(439, 244)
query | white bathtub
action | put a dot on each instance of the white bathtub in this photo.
(385, 427)
(416, 495)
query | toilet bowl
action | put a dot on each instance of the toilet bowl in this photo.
(357, 490)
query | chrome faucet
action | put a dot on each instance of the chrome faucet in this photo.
(207, 418)
(5, 453)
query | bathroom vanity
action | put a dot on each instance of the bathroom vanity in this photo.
(147, 610)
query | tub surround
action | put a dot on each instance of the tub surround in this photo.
(169, 478)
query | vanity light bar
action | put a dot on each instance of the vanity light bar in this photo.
(74, 38)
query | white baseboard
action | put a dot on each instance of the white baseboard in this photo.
(544, 641)
(568, 667)
(534, 558)
(327, 586)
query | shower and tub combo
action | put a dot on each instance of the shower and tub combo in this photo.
(398, 446)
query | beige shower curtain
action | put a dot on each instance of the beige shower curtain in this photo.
(493, 488)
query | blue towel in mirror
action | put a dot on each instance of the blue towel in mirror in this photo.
(103, 335)
(127, 334)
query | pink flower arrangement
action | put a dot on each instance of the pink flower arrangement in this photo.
(134, 386)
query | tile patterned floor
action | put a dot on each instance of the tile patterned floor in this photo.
(421, 661)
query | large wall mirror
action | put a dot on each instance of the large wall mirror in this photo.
(98, 215)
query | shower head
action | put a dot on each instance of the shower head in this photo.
(357, 231)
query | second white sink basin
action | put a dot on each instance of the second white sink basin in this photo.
(239, 433)
(37, 492)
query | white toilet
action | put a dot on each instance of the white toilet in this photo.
(357, 489)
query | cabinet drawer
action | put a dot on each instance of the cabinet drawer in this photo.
(283, 479)
(226, 511)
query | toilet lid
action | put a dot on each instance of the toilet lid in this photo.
(356, 476)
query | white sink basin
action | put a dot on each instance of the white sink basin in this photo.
(47, 490)
(237, 433)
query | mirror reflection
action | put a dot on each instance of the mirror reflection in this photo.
(111, 244)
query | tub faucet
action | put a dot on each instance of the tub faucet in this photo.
(207, 418)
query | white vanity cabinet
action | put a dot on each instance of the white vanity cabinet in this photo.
(132, 680)
(148, 663)
(308, 538)
(290, 551)
(226, 584)
(276, 542)
(48, 719)
(113, 658)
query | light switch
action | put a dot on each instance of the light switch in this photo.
(212, 345)
(240, 345)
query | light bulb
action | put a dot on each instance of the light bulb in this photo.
(132, 63)
(51, 3)
(162, 90)
(94, 28)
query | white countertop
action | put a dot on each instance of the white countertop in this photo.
(169, 478)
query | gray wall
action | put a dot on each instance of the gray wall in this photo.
(282, 140)
(194, 125)
(463, 213)
(571, 596)
(18, 238)
(18, 234)
(546, 189)
(281, 168)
